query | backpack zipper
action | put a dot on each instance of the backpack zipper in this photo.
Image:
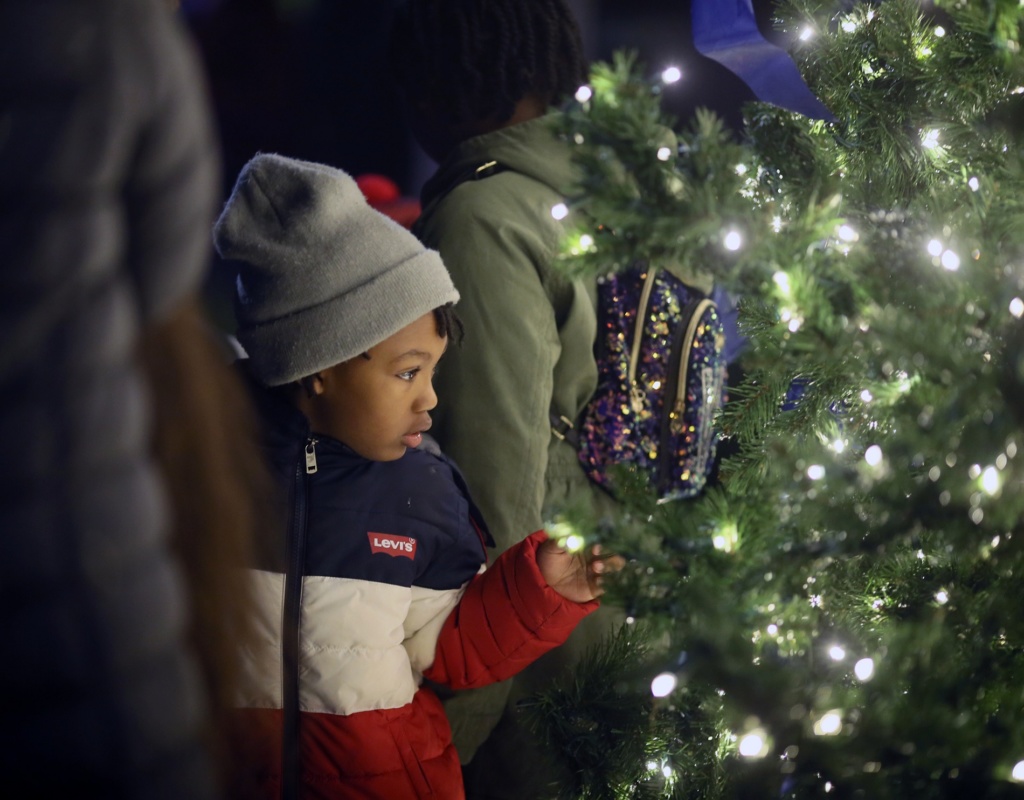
(672, 419)
(636, 394)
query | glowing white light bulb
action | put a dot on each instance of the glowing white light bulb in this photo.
(586, 241)
(1017, 307)
(560, 211)
(836, 653)
(574, 542)
(671, 75)
(942, 597)
(776, 224)
(733, 240)
(1018, 771)
(664, 684)
(950, 261)
(974, 183)
(794, 324)
(741, 169)
(866, 396)
(667, 771)
(772, 629)
(816, 472)
(753, 744)
(584, 93)
(935, 248)
(873, 455)
(930, 139)
(847, 234)
(849, 25)
(782, 281)
(864, 669)
(806, 33)
(990, 480)
(940, 31)
(838, 445)
(829, 724)
(664, 154)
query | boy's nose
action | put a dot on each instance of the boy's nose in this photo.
(428, 400)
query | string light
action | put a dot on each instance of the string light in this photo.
(806, 33)
(586, 241)
(866, 396)
(950, 261)
(754, 744)
(741, 169)
(939, 31)
(934, 248)
(930, 139)
(1017, 307)
(836, 653)
(782, 281)
(816, 472)
(560, 211)
(726, 538)
(584, 93)
(864, 669)
(974, 183)
(838, 445)
(873, 455)
(830, 724)
(849, 25)
(1018, 772)
(847, 234)
(776, 223)
(664, 154)
(671, 75)
(733, 240)
(942, 597)
(664, 684)
(990, 480)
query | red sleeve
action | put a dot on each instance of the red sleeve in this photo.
(507, 618)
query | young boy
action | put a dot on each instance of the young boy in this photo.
(344, 317)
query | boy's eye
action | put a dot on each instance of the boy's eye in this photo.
(409, 374)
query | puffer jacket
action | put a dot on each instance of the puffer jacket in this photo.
(382, 587)
(108, 178)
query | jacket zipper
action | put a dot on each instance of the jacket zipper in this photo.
(290, 767)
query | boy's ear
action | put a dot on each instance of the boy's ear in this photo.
(313, 384)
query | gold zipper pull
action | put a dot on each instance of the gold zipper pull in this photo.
(311, 456)
(637, 397)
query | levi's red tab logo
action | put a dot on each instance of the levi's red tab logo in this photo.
(391, 544)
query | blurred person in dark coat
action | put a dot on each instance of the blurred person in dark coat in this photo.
(108, 182)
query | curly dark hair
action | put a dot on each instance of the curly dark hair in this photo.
(475, 59)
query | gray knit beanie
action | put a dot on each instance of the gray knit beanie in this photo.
(322, 277)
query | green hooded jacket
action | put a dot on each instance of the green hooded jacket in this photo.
(530, 331)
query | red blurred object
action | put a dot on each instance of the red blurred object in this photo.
(383, 194)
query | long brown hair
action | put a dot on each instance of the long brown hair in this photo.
(204, 441)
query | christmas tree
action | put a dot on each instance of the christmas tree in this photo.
(840, 615)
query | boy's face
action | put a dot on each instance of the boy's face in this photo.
(379, 406)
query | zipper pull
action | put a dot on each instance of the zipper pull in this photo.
(311, 456)
(636, 398)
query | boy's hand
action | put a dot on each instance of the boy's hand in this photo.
(576, 576)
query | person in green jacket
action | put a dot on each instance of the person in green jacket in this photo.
(481, 79)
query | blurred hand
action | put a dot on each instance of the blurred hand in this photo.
(576, 576)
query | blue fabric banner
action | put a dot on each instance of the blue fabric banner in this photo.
(726, 31)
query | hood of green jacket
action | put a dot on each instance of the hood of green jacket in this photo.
(528, 148)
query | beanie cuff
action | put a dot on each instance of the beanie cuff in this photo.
(288, 348)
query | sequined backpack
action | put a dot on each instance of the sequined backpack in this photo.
(661, 378)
